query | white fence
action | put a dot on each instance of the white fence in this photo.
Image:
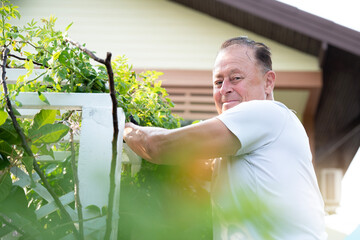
(95, 152)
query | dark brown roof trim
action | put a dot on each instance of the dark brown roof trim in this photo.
(301, 21)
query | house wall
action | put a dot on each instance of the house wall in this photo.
(153, 34)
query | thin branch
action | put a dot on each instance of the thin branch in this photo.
(26, 59)
(31, 44)
(76, 187)
(27, 148)
(114, 146)
(59, 226)
(87, 51)
(107, 63)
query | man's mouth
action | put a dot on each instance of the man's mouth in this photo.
(230, 101)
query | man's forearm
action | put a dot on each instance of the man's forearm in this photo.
(208, 139)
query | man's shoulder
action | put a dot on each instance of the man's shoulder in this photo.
(259, 106)
(256, 113)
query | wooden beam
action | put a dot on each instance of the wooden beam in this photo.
(322, 53)
(352, 130)
(203, 78)
(298, 80)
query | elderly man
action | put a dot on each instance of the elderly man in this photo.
(264, 185)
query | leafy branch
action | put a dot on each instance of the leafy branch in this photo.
(27, 59)
(26, 147)
(107, 63)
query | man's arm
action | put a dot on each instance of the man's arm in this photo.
(207, 139)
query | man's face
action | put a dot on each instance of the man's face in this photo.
(237, 78)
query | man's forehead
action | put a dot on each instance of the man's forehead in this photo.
(232, 70)
(236, 50)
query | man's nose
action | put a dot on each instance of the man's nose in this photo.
(225, 87)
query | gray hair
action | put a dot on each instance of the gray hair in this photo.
(261, 51)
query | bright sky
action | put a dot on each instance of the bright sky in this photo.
(343, 12)
(347, 218)
(350, 194)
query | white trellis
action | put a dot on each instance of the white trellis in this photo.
(94, 154)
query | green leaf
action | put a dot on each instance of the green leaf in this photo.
(49, 79)
(49, 133)
(28, 163)
(4, 162)
(93, 209)
(5, 185)
(56, 55)
(3, 117)
(67, 28)
(64, 56)
(45, 150)
(137, 119)
(104, 210)
(5, 148)
(18, 104)
(34, 149)
(51, 168)
(29, 65)
(16, 112)
(62, 73)
(16, 202)
(8, 133)
(27, 54)
(45, 116)
(43, 98)
(17, 14)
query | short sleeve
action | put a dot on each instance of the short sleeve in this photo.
(255, 123)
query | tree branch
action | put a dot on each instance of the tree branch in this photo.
(26, 59)
(107, 63)
(76, 187)
(26, 147)
(114, 146)
(87, 51)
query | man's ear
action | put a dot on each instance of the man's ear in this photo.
(270, 77)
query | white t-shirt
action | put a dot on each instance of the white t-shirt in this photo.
(268, 190)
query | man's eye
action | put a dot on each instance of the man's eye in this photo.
(237, 78)
(218, 83)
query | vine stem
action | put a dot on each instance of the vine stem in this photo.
(27, 148)
(26, 59)
(114, 146)
(107, 63)
(76, 186)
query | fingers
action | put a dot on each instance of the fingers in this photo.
(128, 129)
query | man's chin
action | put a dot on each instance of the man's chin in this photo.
(229, 105)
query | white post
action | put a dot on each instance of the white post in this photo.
(94, 162)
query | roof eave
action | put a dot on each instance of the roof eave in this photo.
(290, 17)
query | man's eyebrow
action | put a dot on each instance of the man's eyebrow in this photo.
(217, 76)
(235, 70)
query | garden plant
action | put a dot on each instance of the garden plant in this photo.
(155, 203)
